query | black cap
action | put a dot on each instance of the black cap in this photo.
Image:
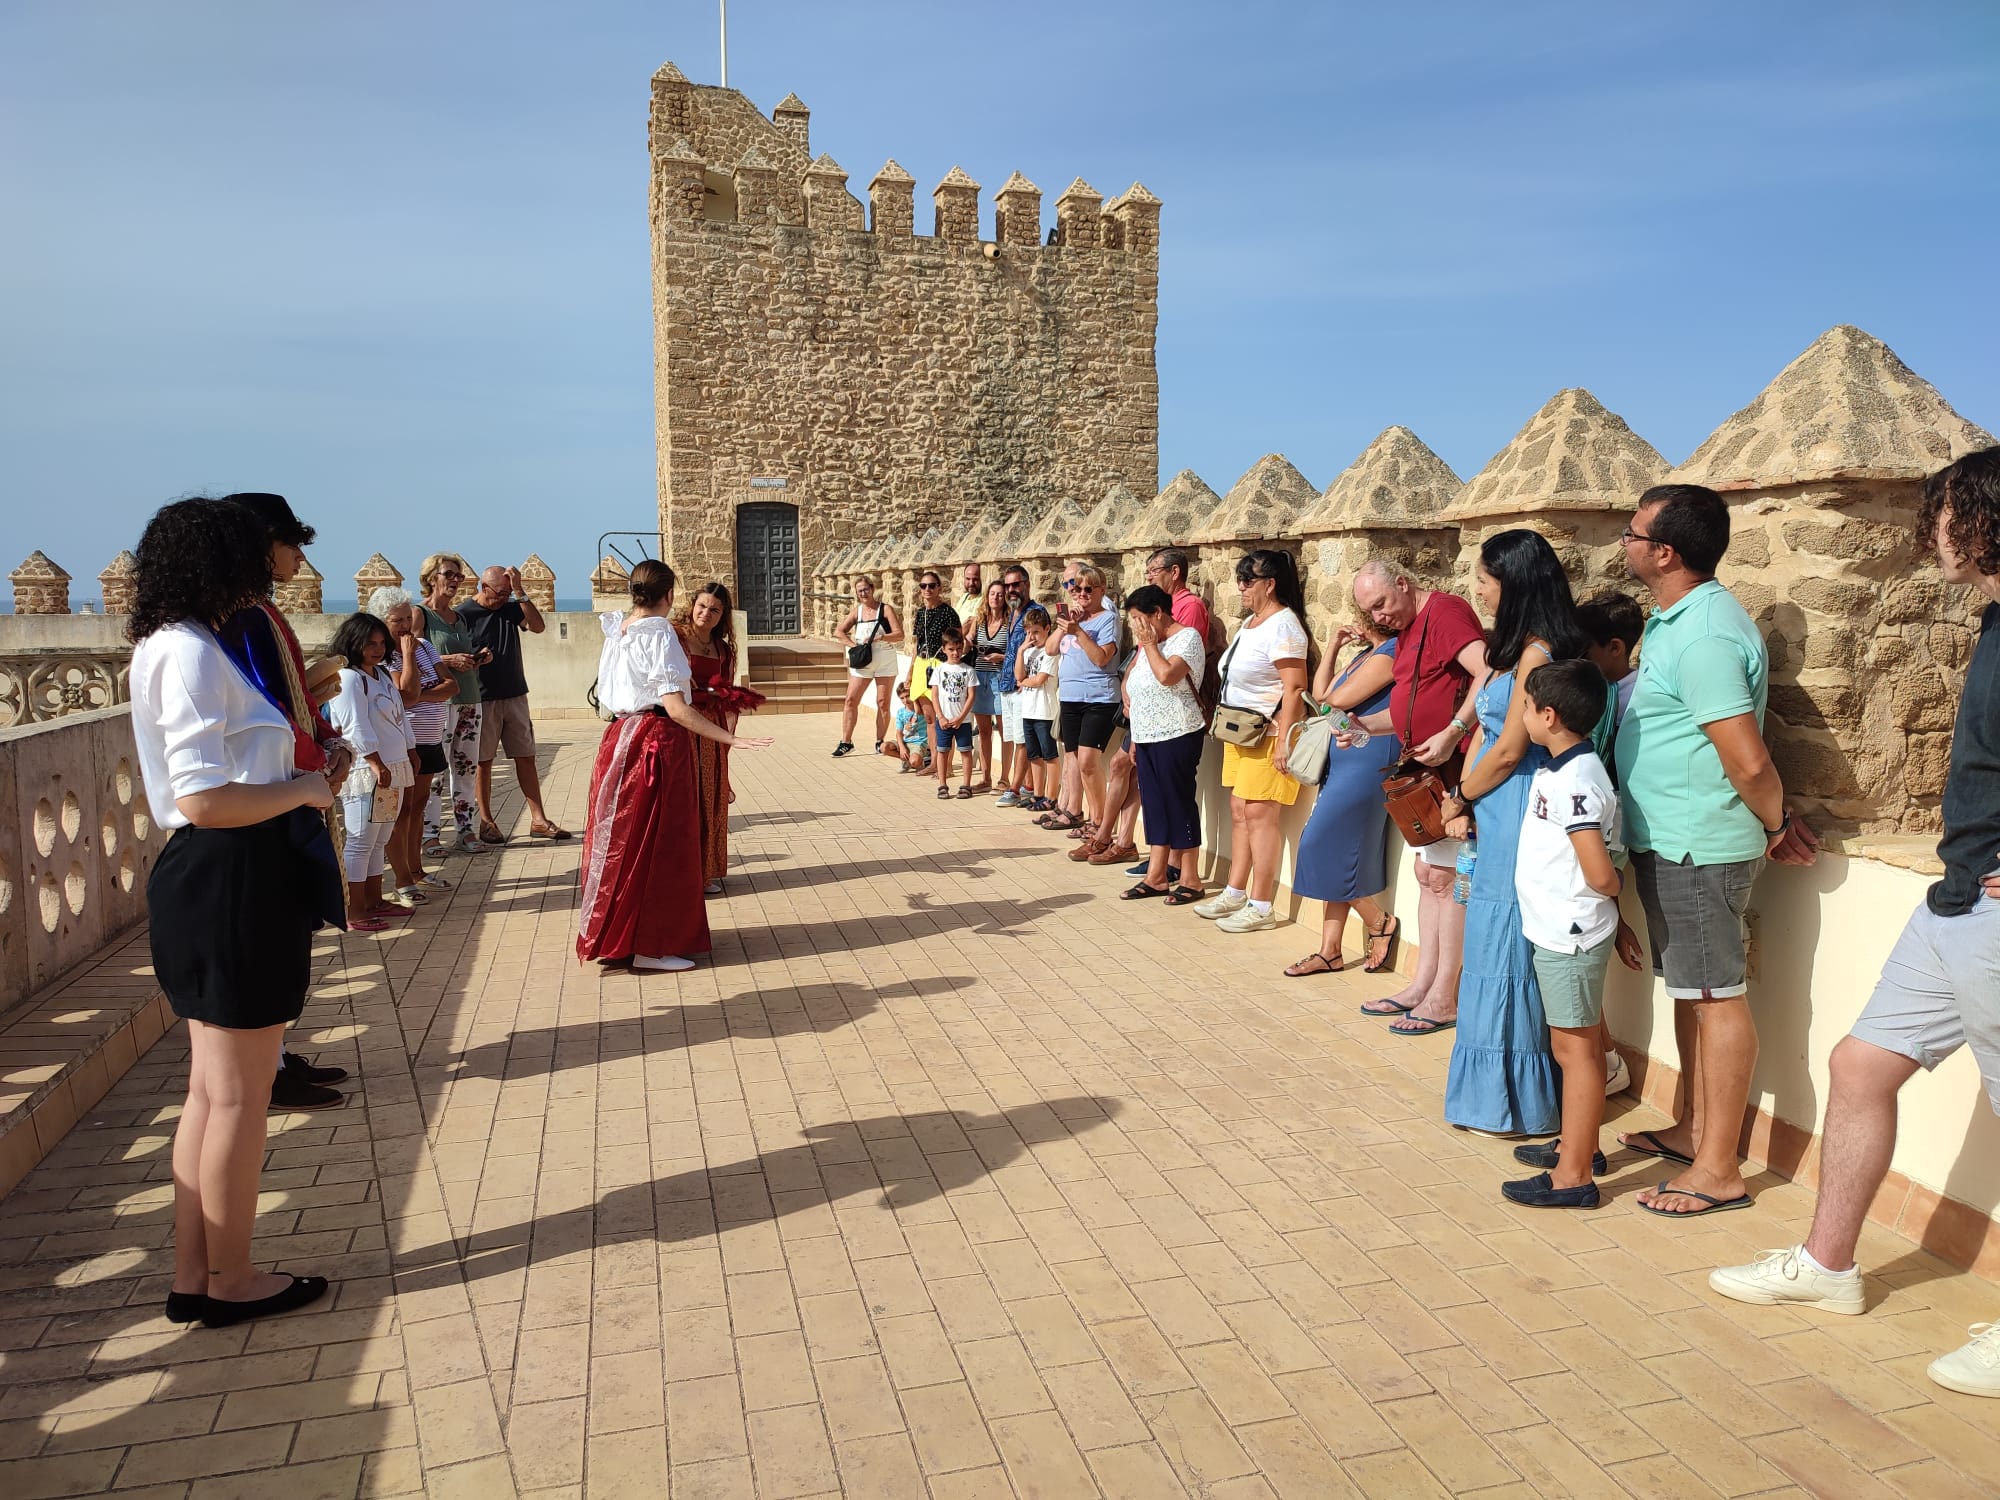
(276, 514)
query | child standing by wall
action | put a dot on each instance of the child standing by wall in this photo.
(1567, 885)
(1035, 670)
(951, 685)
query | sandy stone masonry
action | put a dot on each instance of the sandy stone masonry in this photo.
(1823, 471)
(892, 381)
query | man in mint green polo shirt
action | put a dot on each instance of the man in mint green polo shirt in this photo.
(1704, 808)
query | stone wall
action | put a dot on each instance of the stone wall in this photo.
(892, 381)
(1823, 472)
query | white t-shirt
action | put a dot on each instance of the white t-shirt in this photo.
(1249, 680)
(1166, 713)
(951, 684)
(369, 715)
(199, 723)
(641, 663)
(1039, 702)
(1559, 911)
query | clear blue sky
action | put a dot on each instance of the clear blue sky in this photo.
(391, 258)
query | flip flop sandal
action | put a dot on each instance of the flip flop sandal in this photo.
(1654, 1146)
(1421, 1026)
(1714, 1205)
(1185, 895)
(1389, 1009)
(1143, 892)
(1326, 966)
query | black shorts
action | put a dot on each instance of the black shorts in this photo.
(1087, 726)
(430, 760)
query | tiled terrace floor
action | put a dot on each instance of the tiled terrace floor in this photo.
(952, 1176)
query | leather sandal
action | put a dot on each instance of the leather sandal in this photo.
(1114, 854)
(1085, 849)
(1305, 966)
(1184, 895)
(1392, 932)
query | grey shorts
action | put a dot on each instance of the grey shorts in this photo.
(1694, 920)
(1940, 989)
(1572, 984)
(505, 725)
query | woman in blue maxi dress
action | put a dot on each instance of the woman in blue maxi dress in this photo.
(1502, 1078)
(1343, 851)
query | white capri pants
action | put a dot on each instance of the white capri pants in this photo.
(365, 851)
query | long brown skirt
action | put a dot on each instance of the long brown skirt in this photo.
(711, 778)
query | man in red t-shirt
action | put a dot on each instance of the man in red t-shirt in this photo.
(1440, 667)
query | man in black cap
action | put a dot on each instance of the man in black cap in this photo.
(268, 638)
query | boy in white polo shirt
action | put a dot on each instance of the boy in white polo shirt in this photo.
(1567, 883)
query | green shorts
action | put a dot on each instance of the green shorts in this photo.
(1573, 984)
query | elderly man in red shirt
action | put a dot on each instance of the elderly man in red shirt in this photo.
(1440, 666)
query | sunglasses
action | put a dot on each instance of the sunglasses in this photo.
(452, 577)
(928, 588)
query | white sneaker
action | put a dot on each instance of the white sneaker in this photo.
(667, 964)
(1221, 904)
(1975, 1369)
(1784, 1277)
(1248, 919)
(1617, 1076)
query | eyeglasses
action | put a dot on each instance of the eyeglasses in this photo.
(1629, 535)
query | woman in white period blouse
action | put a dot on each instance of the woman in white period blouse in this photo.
(235, 895)
(640, 876)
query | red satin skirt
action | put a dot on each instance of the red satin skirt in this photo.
(640, 873)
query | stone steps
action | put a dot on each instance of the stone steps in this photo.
(798, 676)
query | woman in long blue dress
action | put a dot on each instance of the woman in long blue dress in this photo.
(1343, 852)
(1503, 1079)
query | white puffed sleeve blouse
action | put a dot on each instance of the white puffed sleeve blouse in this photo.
(199, 723)
(642, 662)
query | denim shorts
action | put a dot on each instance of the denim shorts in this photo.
(945, 738)
(1039, 735)
(1940, 990)
(1694, 921)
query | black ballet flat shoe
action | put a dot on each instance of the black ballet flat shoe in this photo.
(185, 1307)
(217, 1313)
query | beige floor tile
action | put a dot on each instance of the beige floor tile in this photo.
(841, 1215)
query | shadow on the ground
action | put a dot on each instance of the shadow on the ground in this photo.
(742, 821)
(970, 863)
(929, 917)
(887, 1161)
(756, 1015)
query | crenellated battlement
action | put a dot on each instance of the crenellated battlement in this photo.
(718, 160)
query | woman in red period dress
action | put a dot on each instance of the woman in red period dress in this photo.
(707, 633)
(640, 875)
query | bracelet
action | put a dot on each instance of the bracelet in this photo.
(1460, 725)
(1784, 823)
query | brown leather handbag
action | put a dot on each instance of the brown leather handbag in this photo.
(1413, 792)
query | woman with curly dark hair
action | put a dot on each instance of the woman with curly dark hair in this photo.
(233, 900)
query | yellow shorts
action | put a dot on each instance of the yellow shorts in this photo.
(1249, 774)
(920, 676)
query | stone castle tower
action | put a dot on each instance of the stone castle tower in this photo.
(822, 372)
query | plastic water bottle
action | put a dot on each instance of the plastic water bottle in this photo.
(1468, 858)
(1343, 723)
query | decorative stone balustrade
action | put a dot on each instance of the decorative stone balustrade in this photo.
(76, 843)
(39, 685)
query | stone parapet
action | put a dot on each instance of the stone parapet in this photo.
(76, 844)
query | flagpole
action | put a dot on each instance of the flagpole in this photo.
(725, 42)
